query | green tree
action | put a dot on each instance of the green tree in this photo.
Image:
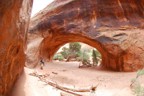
(94, 57)
(75, 47)
(65, 52)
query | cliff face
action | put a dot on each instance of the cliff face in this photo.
(114, 27)
(14, 21)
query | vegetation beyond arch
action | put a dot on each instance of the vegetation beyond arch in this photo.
(76, 51)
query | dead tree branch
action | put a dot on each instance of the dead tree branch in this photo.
(65, 89)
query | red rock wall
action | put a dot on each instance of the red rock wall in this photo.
(114, 27)
(14, 21)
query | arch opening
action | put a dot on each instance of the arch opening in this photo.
(86, 55)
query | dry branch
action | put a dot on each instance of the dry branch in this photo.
(65, 89)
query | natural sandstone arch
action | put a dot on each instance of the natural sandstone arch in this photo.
(48, 51)
(114, 27)
(50, 45)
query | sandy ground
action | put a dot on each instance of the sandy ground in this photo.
(110, 83)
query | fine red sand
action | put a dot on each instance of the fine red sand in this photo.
(68, 74)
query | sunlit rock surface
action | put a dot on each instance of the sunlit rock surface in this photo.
(14, 22)
(114, 27)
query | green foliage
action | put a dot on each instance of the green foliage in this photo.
(65, 52)
(74, 52)
(140, 73)
(75, 47)
(136, 86)
(138, 90)
(98, 53)
(58, 57)
(84, 57)
(94, 55)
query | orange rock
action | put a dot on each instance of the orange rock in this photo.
(114, 27)
(14, 20)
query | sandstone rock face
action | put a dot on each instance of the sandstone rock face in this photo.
(114, 27)
(14, 22)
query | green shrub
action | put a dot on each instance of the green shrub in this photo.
(58, 57)
(136, 86)
(140, 73)
(138, 90)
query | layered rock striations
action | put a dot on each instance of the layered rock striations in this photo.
(14, 22)
(114, 27)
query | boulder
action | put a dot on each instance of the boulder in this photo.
(14, 22)
(114, 27)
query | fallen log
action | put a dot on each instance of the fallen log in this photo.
(62, 88)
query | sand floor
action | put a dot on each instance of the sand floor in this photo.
(68, 74)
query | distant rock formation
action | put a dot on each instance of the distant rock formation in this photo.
(14, 22)
(114, 27)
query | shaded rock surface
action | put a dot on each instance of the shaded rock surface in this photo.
(114, 27)
(14, 22)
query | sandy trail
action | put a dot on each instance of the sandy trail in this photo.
(30, 86)
(68, 73)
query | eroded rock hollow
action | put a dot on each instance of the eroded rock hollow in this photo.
(114, 27)
(14, 22)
